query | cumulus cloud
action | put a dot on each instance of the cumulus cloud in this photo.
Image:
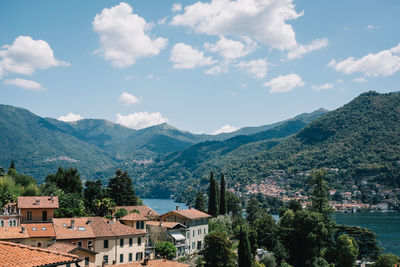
(372, 27)
(176, 7)
(140, 120)
(383, 63)
(70, 117)
(128, 99)
(230, 49)
(25, 84)
(124, 36)
(225, 129)
(264, 21)
(359, 80)
(186, 57)
(256, 68)
(325, 86)
(282, 84)
(27, 55)
(300, 50)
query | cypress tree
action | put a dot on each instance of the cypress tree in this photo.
(244, 252)
(212, 198)
(222, 197)
(200, 203)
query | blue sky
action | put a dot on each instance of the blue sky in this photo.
(201, 66)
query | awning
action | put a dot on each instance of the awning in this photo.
(177, 237)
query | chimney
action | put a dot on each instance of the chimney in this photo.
(37, 201)
(89, 222)
(190, 206)
(22, 229)
(114, 219)
(72, 224)
(51, 198)
(177, 207)
(145, 262)
(160, 223)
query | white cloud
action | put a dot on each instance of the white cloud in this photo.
(360, 80)
(230, 49)
(256, 68)
(162, 21)
(372, 27)
(25, 84)
(216, 70)
(140, 120)
(176, 7)
(301, 50)
(123, 36)
(264, 21)
(325, 86)
(70, 117)
(26, 55)
(225, 129)
(186, 57)
(383, 63)
(128, 99)
(285, 83)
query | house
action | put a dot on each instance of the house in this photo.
(13, 254)
(86, 255)
(197, 226)
(135, 220)
(173, 232)
(146, 211)
(10, 215)
(40, 234)
(113, 241)
(154, 263)
(17, 234)
(37, 209)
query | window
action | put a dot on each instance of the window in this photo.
(193, 245)
(187, 235)
(198, 244)
(141, 225)
(139, 256)
(79, 243)
(1, 223)
(121, 258)
(29, 215)
(86, 261)
(68, 265)
(130, 242)
(205, 230)
(43, 228)
(39, 244)
(137, 225)
(105, 257)
(81, 228)
(44, 215)
(130, 257)
(194, 233)
(34, 228)
(106, 245)
(139, 241)
(90, 243)
(9, 223)
(121, 242)
(199, 232)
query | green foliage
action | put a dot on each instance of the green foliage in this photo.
(10, 189)
(104, 207)
(213, 197)
(94, 190)
(31, 190)
(200, 204)
(71, 205)
(233, 203)
(218, 250)
(245, 258)
(319, 196)
(222, 197)
(121, 213)
(68, 181)
(120, 189)
(265, 228)
(253, 210)
(166, 249)
(269, 260)
(321, 262)
(222, 223)
(386, 260)
(346, 251)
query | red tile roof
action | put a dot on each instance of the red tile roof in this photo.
(13, 232)
(40, 229)
(191, 214)
(143, 210)
(66, 247)
(39, 202)
(103, 227)
(168, 225)
(12, 254)
(154, 263)
(134, 217)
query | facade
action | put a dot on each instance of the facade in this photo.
(37, 209)
(10, 215)
(86, 255)
(41, 235)
(135, 220)
(197, 226)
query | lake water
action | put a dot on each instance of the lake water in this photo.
(385, 225)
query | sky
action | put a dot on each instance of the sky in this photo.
(201, 66)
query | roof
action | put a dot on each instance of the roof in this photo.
(12, 254)
(13, 232)
(66, 247)
(191, 214)
(92, 227)
(39, 202)
(143, 210)
(154, 263)
(168, 225)
(134, 217)
(40, 229)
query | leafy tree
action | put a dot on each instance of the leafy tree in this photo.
(269, 260)
(31, 190)
(1, 171)
(71, 205)
(320, 262)
(212, 198)
(319, 196)
(265, 228)
(386, 260)
(346, 251)
(200, 204)
(120, 189)
(121, 213)
(12, 168)
(218, 250)
(93, 190)
(104, 207)
(222, 197)
(166, 249)
(244, 251)
(222, 223)
(295, 205)
(233, 203)
(253, 210)
(68, 181)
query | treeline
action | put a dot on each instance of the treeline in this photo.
(75, 198)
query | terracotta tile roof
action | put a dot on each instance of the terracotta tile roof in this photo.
(190, 214)
(39, 202)
(40, 229)
(134, 217)
(153, 263)
(143, 210)
(66, 247)
(168, 225)
(103, 228)
(14, 232)
(12, 254)
(63, 230)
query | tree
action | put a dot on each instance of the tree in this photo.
(200, 204)
(218, 250)
(295, 205)
(269, 260)
(212, 198)
(68, 181)
(320, 262)
(104, 207)
(233, 203)
(222, 223)
(265, 228)
(166, 249)
(319, 196)
(386, 260)
(11, 168)
(120, 189)
(71, 205)
(1, 171)
(121, 213)
(93, 190)
(346, 251)
(253, 210)
(222, 197)
(244, 251)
